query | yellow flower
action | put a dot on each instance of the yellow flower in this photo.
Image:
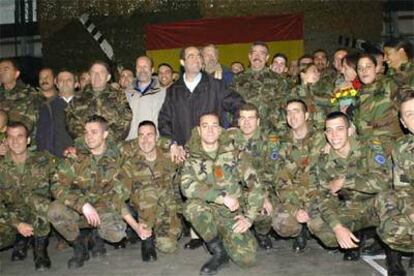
(354, 92)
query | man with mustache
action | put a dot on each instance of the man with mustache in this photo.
(263, 88)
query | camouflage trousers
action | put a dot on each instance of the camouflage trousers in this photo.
(68, 222)
(285, 223)
(157, 209)
(353, 215)
(263, 224)
(396, 229)
(212, 220)
(33, 212)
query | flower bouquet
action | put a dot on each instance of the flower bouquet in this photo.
(345, 97)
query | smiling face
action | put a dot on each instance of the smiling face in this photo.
(296, 116)
(337, 133)
(258, 57)
(407, 115)
(147, 137)
(17, 140)
(209, 130)
(366, 70)
(143, 69)
(165, 75)
(95, 136)
(394, 57)
(192, 61)
(279, 65)
(310, 75)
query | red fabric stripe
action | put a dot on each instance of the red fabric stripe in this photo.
(224, 31)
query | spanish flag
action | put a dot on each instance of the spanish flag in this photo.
(233, 36)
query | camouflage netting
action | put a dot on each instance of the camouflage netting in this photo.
(67, 44)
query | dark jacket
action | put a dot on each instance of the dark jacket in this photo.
(182, 109)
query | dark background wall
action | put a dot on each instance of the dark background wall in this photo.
(67, 44)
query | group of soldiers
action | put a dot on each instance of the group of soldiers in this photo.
(293, 163)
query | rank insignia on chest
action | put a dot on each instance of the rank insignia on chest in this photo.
(218, 172)
(380, 159)
(274, 155)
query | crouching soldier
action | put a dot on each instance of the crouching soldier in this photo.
(25, 197)
(220, 212)
(90, 195)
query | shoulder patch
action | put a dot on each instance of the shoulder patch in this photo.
(274, 155)
(272, 138)
(380, 159)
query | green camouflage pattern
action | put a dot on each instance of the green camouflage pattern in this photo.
(25, 193)
(376, 115)
(367, 172)
(109, 103)
(394, 207)
(152, 194)
(85, 178)
(404, 76)
(266, 90)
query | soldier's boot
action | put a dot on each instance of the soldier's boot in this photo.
(98, 247)
(352, 255)
(80, 252)
(218, 260)
(148, 252)
(374, 249)
(41, 258)
(411, 264)
(19, 252)
(394, 264)
(120, 245)
(193, 244)
(264, 241)
(300, 241)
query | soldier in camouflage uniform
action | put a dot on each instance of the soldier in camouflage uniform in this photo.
(25, 197)
(264, 88)
(250, 139)
(100, 99)
(21, 102)
(216, 206)
(396, 207)
(3, 126)
(149, 176)
(398, 55)
(298, 193)
(350, 175)
(316, 93)
(328, 74)
(376, 116)
(90, 194)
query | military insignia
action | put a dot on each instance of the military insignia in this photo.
(273, 138)
(218, 172)
(376, 142)
(380, 159)
(274, 155)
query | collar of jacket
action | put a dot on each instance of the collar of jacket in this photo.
(153, 87)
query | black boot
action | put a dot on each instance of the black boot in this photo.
(300, 241)
(148, 252)
(20, 248)
(193, 244)
(352, 255)
(220, 257)
(41, 258)
(120, 245)
(264, 241)
(98, 247)
(374, 249)
(394, 265)
(80, 251)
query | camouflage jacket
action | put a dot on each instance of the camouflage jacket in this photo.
(208, 176)
(109, 103)
(376, 116)
(367, 172)
(317, 98)
(268, 91)
(295, 185)
(21, 183)
(139, 172)
(403, 157)
(403, 77)
(85, 178)
(21, 104)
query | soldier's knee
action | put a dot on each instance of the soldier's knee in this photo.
(286, 226)
(246, 259)
(112, 227)
(55, 211)
(166, 245)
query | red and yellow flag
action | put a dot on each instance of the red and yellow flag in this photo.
(233, 36)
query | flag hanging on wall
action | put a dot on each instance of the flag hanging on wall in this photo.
(233, 36)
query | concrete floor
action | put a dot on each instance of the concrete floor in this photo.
(281, 260)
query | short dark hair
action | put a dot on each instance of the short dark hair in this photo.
(336, 115)
(303, 57)
(12, 61)
(405, 94)
(215, 114)
(17, 124)
(398, 43)
(281, 55)
(351, 60)
(102, 63)
(98, 119)
(320, 51)
(249, 107)
(48, 68)
(147, 123)
(299, 101)
(182, 51)
(165, 64)
(368, 56)
(260, 43)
